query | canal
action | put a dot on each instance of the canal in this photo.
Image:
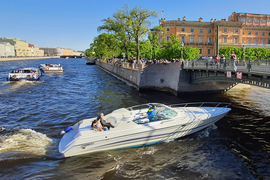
(32, 115)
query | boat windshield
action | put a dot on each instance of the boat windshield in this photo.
(161, 113)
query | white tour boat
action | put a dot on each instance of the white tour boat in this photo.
(46, 68)
(30, 74)
(133, 128)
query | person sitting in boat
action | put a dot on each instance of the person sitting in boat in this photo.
(96, 125)
(151, 113)
(105, 124)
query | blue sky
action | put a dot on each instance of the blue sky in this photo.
(73, 23)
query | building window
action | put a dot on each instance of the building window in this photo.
(182, 38)
(224, 39)
(200, 51)
(249, 32)
(168, 38)
(168, 29)
(236, 40)
(248, 41)
(256, 33)
(256, 41)
(236, 30)
(268, 41)
(262, 41)
(182, 29)
(263, 33)
(209, 39)
(191, 39)
(191, 30)
(208, 51)
(209, 30)
(200, 39)
(200, 30)
(225, 30)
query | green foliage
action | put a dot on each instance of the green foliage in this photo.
(252, 53)
(191, 53)
(105, 46)
(129, 26)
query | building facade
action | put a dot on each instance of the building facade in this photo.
(6, 49)
(241, 30)
(68, 52)
(35, 51)
(21, 47)
(52, 51)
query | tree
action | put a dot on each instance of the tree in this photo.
(139, 25)
(129, 26)
(105, 46)
(153, 37)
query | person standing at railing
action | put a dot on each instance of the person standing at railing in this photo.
(234, 59)
(222, 60)
(217, 60)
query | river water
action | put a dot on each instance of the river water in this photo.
(32, 115)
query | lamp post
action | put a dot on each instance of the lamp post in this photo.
(123, 56)
(182, 45)
(244, 57)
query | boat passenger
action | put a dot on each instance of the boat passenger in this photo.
(151, 113)
(96, 125)
(105, 124)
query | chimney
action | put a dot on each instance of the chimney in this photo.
(200, 19)
(184, 18)
(215, 20)
(211, 20)
(178, 19)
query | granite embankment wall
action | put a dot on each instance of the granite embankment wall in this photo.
(170, 77)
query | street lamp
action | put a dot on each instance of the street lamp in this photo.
(244, 57)
(93, 53)
(182, 45)
(123, 55)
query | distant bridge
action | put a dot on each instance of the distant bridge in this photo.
(71, 56)
(254, 73)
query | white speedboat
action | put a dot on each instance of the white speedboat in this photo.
(30, 74)
(133, 128)
(55, 68)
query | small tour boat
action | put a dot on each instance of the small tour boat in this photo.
(30, 74)
(90, 61)
(55, 68)
(133, 127)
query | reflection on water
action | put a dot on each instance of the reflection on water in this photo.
(32, 115)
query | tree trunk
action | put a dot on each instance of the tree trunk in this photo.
(138, 50)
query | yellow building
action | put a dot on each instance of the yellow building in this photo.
(68, 52)
(241, 30)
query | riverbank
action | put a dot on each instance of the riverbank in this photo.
(25, 58)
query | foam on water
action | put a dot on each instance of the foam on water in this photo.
(26, 141)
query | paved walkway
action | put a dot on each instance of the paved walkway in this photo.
(25, 58)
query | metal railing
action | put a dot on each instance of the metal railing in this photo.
(203, 104)
(256, 66)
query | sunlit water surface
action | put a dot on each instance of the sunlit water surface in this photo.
(32, 115)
